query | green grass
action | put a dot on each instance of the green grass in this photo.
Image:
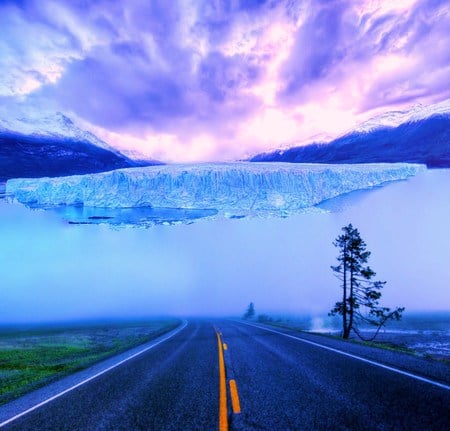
(34, 357)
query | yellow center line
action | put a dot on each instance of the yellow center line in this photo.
(235, 397)
(223, 414)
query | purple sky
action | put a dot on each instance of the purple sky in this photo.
(195, 80)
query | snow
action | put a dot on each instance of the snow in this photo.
(28, 121)
(396, 118)
(242, 186)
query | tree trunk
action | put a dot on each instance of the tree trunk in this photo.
(351, 298)
(345, 332)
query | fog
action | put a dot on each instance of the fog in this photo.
(52, 270)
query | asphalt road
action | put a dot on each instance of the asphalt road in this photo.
(227, 375)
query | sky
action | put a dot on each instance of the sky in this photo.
(209, 80)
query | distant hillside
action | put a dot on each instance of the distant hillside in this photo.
(41, 144)
(422, 141)
(31, 157)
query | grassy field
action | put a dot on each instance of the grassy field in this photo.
(35, 356)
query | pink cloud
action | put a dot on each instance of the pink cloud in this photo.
(196, 80)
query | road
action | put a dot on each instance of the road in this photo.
(228, 375)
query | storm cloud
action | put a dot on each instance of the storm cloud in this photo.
(213, 80)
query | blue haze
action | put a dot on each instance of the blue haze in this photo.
(52, 270)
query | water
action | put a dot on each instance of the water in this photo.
(195, 263)
(124, 217)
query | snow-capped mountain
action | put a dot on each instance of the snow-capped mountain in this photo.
(396, 118)
(417, 135)
(225, 186)
(37, 143)
(46, 125)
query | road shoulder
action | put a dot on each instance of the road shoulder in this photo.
(41, 396)
(423, 367)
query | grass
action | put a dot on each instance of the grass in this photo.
(378, 344)
(386, 346)
(31, 358)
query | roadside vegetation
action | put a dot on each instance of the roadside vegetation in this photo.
(35, 356)
(303, 325)
(429, 342)
(250, 312)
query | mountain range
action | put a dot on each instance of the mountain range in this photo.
(418, 135)
(34, 144)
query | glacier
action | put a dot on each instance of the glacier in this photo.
(242, 186)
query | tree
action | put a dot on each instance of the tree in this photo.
(250, 313)
(264, 318)
(360, 295)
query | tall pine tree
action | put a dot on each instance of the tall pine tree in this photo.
(250, 313)
(360, 295)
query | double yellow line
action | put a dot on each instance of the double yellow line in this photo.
(223, 408)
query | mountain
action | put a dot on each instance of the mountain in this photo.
(34, 144)
(418, 135)
(220, 186)
(412, 114)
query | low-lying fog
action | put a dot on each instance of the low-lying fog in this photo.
(51, 270)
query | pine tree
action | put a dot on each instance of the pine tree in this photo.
(360, 295)
(250, 313)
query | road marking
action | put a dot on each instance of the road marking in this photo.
(225, 347)
(368, 361)
(223, 414)
(235, 397)
(54, 397)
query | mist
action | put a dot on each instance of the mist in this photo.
(52, 270)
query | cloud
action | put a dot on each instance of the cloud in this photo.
(202, 80)
(320, 43)
(394, 56)
(32, 59)
(420, 39)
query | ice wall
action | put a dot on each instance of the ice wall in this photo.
(224, 186)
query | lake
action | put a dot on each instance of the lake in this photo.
(75, 263)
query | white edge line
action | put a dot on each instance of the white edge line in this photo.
(176, 331)
(377, 364)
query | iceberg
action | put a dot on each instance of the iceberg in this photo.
(242, 186)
